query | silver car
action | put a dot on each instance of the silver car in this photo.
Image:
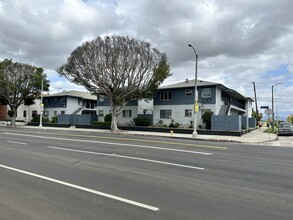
(285, 128)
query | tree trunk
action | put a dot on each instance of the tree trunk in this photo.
(13, 118)
(116, 111)
(114, 127)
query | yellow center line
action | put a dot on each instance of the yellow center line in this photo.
(132, 139)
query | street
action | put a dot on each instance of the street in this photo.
(47, 174)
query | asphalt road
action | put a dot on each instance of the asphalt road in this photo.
(80, 175)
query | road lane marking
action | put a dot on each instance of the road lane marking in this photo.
(113, 143)
(15, 142)
(117, 198)
(138, 140)
(127, 157)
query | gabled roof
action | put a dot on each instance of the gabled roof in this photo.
(189, 83)
(74, 93)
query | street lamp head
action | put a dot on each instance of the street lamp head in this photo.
(277, 84)
(189, 45)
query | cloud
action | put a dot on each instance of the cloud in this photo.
(237, 41)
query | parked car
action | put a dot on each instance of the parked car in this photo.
(285, 128)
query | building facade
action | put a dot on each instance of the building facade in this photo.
(131, 110)
(70, 103)
(176, 102)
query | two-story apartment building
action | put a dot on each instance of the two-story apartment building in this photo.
(176, 102)
(69, 102)
(132, 109)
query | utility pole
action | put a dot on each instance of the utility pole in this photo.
(255, 104)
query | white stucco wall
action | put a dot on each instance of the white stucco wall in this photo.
(145, 105)
(29, 109)
(219, 101)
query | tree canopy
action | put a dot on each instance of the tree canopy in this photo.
(121, 67)
(290, 118)
(20, 84)
(253, 114)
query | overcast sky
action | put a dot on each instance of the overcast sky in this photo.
(238, 41)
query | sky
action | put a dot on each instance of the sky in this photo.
(237, 41)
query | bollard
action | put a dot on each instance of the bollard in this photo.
(171, 132)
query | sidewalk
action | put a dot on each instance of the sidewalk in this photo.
(256, 136)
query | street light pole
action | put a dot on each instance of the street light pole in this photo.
(273, 112)
(41, 104)
(194, 134)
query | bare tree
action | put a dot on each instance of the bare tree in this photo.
(20, 84)
(121, 67)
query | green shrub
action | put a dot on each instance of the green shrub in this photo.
(10, 113)
(101, 123)
(141, 121)
(207, 118)
(108, 118)
(37, 119)
(55, 119)
(174, 124)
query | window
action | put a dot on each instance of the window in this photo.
(46, 113)
(166, 113)
(188, 92)
(188, 112)
(127, 113)
(207, 93)
(101, 98)
(55, 113)
(34, 113)
(165, 95)
(62, 112)
(63, 100)
(24, 113)
(101, 113)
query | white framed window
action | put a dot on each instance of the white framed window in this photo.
(188, 112)
(55, 113)
(127, 113)
(188, 92)
(24, 113)
(207, 93)
(101, 98)
(62, 112)
(166, 113)
(165, 95)
(101, 113)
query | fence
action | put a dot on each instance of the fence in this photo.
(231, 122)
(77, 119)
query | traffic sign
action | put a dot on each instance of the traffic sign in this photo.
(268, 111)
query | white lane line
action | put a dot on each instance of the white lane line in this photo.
(15, 142)
(131, 202)
(113, 143)
(127, 157)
